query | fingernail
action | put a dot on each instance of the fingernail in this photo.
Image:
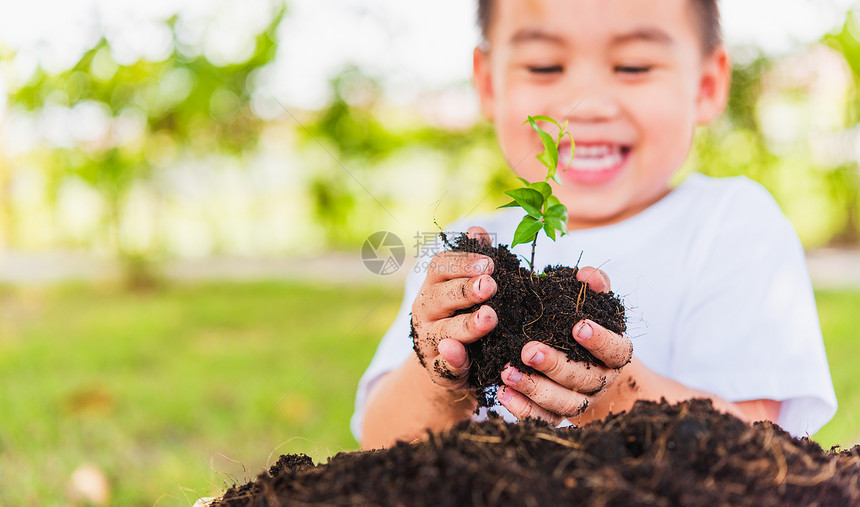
(514, 375)
(536, 359)
(504, 395)
(585, 331)
(481, 265)
(476, 286)
(479, 314)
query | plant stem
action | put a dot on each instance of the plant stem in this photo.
(532, 263)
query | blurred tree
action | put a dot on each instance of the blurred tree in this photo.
(188, 104)
(737, 144)
(353, 131)
(183, 103)
(844, 180)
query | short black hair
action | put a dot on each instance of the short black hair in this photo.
(706, 11)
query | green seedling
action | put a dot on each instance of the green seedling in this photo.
(543, 210)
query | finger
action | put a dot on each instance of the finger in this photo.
(613, 349)
(547, 394)
(555, 365)
(480, 234)
(468, 327)
(522, 407)
(442, 299)
(597, 280)
(451, 366)
(448, 265)
(454, 353)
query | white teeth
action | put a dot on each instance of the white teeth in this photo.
(596, 157)
(592, 151)
(596, 163)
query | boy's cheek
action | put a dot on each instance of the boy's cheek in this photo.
(666, 115)
(518, 141)
(513, 113)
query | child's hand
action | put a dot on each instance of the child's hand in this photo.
(566, 389)
(455, 280)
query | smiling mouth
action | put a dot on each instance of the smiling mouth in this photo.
(593, 163)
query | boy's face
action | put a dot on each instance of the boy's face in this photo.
(629, 75)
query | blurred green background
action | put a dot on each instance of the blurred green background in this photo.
(194, 194)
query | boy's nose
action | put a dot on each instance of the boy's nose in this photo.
(592, 107)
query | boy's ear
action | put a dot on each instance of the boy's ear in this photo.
(714, 85)
(482, 80)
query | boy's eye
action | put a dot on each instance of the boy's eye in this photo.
(550, 69)
(632, 69)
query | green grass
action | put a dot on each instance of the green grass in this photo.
(179, 392)
(838, 311)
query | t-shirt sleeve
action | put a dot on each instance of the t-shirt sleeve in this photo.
(393, 350)
(748, 328)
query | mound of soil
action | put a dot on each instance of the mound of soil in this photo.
(531, 307)
(656, 454)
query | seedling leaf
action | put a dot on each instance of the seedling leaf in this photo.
(557, 211)
(561, 131)
(572, 146)
(529, 199)
(556, 223)
(543, 210)
(546, 158)
(540, 117)
(544, 189)
(556, 215)
(526, 230)
(549, 157)
(549, 230)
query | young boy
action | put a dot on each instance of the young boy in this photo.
(712, 273)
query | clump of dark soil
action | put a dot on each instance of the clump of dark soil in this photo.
(531, 307)
(656, 454)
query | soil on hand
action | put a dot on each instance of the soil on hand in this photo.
(532, 307)
(657, 454)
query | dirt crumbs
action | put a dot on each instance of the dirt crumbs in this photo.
(531, 307)
(656, 454)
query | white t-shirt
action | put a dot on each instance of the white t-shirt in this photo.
(717, 293)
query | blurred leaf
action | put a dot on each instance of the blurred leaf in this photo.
(847, 42)
(195, 104)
